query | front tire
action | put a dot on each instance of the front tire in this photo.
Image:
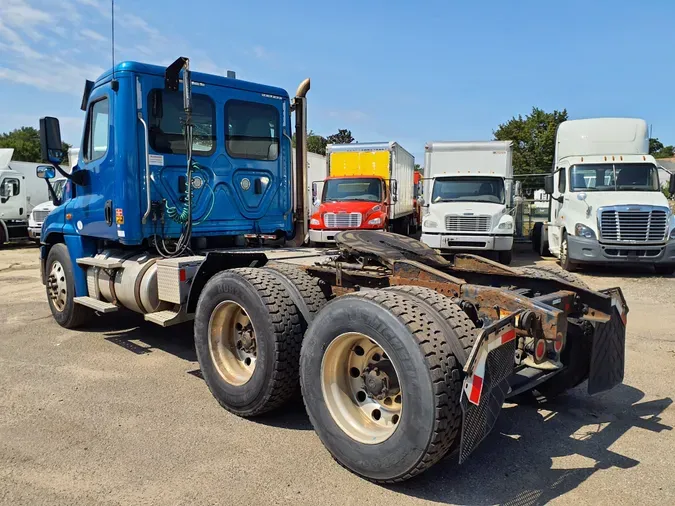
(60, 285)
(247, 338)
(565, 261)
(505, 257)
(417, 418)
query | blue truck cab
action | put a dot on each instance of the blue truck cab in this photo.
(130, 184)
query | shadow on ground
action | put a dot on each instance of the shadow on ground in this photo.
(514, 465)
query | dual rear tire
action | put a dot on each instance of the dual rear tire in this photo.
(380, 379)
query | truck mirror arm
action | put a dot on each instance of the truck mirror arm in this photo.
(55, 200)
(77, 177)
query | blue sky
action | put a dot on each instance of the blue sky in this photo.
(397, 70)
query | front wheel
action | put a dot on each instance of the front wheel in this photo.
(565, 261)
(381, 385)
(505, 257)
(60, 284)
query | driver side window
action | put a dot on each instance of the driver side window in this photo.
(96, 139)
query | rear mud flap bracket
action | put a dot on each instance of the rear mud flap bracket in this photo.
(485, 386)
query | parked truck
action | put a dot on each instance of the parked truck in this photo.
(369, 187)
(20, 191)
(606, 203)
(469, 191)
(402, 356)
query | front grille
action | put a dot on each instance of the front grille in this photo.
(459, 223)
(342, 220)
(39, 216)
(633, 225)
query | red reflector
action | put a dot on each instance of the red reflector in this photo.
(476, 388)
(540, 349)
(182, 276)
(508, 336)
(558, 345)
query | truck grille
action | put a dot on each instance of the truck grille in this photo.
(39, 216)
(342, 220)
(459, 223)
(632, 225)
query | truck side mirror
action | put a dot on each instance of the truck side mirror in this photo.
(672, 185)
(394, 190)
(314, 191)
(518, 189)
(50, 140)
(7, 189)
(548, 185)
(45, 172)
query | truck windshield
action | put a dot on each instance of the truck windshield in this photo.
(468, 189)
(614, 177)
(362, 189)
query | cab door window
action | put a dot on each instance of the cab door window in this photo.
(96, 139)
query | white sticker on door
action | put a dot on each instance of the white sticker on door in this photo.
(157, 160)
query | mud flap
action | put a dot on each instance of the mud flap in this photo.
(608, 352)
(485, 387)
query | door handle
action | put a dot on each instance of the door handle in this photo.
(107, 211)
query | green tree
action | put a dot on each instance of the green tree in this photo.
(315, 143)
(658, 150)
(341, 137)
(533, 139)
(26, 144)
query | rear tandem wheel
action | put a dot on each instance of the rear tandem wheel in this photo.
(381, 384)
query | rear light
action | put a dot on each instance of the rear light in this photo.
(559, 343)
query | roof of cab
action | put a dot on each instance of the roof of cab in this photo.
(157, 70)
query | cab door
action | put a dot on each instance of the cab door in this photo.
(92, 209)
(557, 214)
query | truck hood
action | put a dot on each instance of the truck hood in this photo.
(466, 208)
(45, 206)
(347, 207)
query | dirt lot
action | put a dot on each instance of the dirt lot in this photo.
(118, 414)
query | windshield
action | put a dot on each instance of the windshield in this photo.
(58, 188)
(614, 177)
(468, 189)
(362, 189)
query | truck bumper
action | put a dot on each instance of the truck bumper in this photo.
(34, 233)
(446, 242)
(582, 250)
(328, 236)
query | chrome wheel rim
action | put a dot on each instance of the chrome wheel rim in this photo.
(57, 287)
(232, 343)
(361, 388)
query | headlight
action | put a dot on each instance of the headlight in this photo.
(581, 230)
(314, 221)
(375, 221)
(672, 234)
(430, 223)
(507, 225)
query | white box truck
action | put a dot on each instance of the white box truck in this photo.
(317, 171)
(370, 186)
(606, 202)
(468, 194)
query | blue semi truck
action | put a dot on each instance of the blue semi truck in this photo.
(403, 357)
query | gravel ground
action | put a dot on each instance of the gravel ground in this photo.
(118, 414)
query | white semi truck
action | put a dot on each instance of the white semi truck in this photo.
(20, 191)
(468, 193)
(606, 202)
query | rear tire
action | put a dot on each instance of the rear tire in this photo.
(60, 285)
(247, 338)
(665, 269)
(425, 368)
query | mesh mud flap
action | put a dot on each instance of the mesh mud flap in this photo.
(608, 354)
(489, 366)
